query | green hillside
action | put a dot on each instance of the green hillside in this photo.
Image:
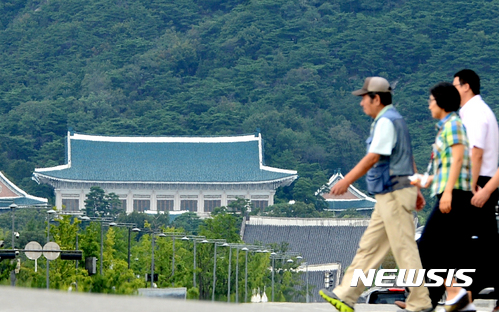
(212, 67)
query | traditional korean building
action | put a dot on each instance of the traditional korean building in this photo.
(165, 173)
(352, 199)
(12, 194)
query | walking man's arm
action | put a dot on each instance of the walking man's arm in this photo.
(358, 171)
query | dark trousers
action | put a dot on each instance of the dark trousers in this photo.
(443, 243)
(485, 245)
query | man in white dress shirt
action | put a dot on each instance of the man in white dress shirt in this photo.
(483, 135)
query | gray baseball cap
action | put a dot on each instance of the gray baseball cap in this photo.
(374, 84)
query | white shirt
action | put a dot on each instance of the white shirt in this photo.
(483, 132)
(384, 138)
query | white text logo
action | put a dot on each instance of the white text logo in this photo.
(392, 280)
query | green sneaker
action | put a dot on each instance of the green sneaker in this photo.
(335, 301)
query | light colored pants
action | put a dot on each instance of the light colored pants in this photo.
(391, 226)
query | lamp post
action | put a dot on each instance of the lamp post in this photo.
(283, 256)
(152, 255)
(221, 243)
(228, 279)
(237, 275)
(195, 239)
(13, 208)
(243, 248)
(306, 281)
(173, 236)
(12, 212)
(49, 213)
(132, 227)
(246, 249)
(101, 220)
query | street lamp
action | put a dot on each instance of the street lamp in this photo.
(195, 239)
(237, 247)
(228, 279)
(246, 249)
(13, 208)
(152, 255)
(283, 256)
(132, 227)
(100, 220)
(173, 235)
(49, 214)
(306, 280)
(221, 243)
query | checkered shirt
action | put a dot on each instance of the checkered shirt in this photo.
(451, 131)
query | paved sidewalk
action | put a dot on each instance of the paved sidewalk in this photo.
(16, 299)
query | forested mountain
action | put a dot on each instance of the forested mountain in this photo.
(213, 67)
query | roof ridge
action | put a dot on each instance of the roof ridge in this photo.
(305, 222)
(161, 139)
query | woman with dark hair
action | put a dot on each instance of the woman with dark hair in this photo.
(443, 241)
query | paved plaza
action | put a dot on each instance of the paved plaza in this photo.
(16, 299)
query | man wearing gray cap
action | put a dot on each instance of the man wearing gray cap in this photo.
(388, 164)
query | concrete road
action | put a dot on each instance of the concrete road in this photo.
(37, 300)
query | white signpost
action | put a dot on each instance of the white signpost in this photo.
(32, 252)
(51, 250)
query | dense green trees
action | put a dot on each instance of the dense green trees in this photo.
(118, 279)
(229, 67)
(100, 204)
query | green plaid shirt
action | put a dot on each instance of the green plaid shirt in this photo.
(451, 132)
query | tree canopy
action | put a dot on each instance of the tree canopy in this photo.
(153, 67)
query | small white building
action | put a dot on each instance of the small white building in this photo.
(165, 173)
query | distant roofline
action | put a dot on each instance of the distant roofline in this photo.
(350, 200)
(273, 221)
(22, 193)
(37, 175)
(56, 168)
(345, 209)
(166, 139)
(355, 191)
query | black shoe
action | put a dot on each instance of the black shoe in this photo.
(335, 301)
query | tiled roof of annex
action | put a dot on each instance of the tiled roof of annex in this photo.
(11, 193)
(352, 199)
(319, 241)
(228, 159)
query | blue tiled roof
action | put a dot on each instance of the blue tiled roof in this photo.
(21, 202)
(317, 244)
(349, 204)
(18, 196)
(172, 161)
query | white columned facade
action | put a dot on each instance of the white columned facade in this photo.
(129, 202)
(211, 194)
(176, 201)
(154, 202)
(58, 198)
(83, 197)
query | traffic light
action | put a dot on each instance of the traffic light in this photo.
(8, 254)
(329, 279)
(71, 254)
(148, 277)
